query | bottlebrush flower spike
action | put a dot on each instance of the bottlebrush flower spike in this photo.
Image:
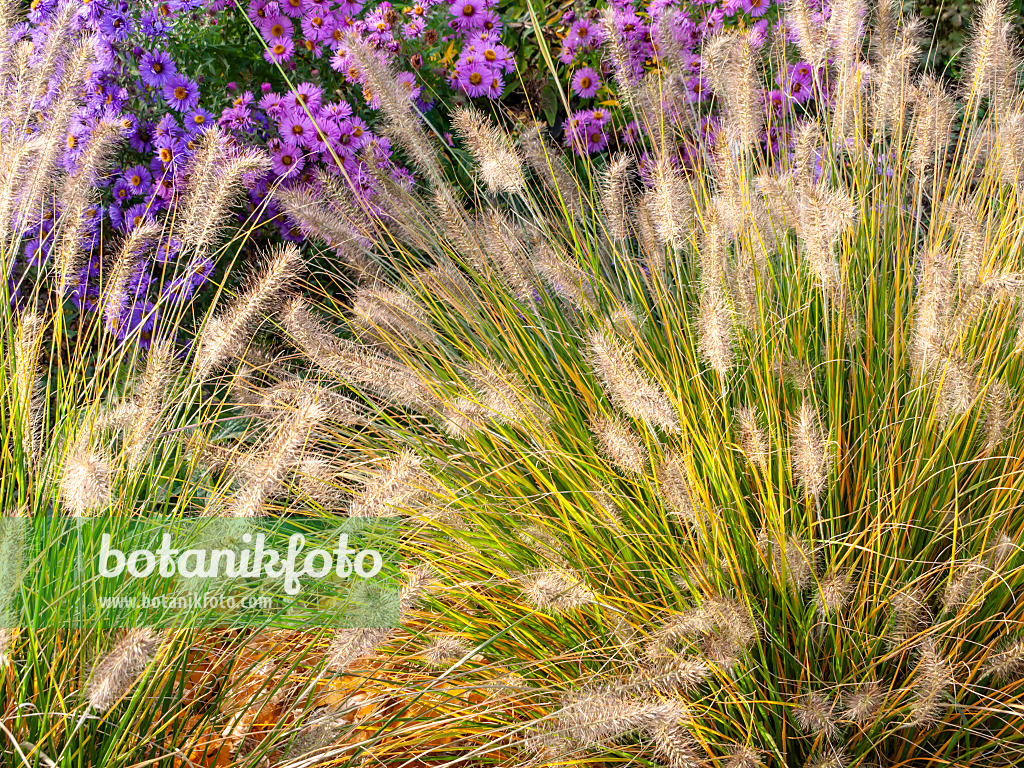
(500, 165)
(556, 590)
(85, 480)
(861, 704)
(753, 438)
(400, 485)
(117, 671)
(615, 196)
(628, 386)
(809, 457)
(620, 444)
(814, 715)
(226, 334)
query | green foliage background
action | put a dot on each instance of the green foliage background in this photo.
(949, 23)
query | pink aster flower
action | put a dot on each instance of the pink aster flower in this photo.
(586, 82)
(296, 127)
(473, 75)
(316, 27)
(275, 27)
(407, 85)
(286, 159)
(469, 14)
(292, 8)
(279, 51)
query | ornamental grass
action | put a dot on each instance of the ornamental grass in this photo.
(716, 464)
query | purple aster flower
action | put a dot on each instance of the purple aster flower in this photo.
(136, 216)
(798, 91)
(776, 103)
(585, 83)
(473, 75)
(352, 133)
(492, 23)
(291, 7)
(154, 25)
(696, 90)
(141, 139)
(407, 85)
(171, 153)
(138, 318)
(567, 54)
(122, 191)
(414, 27)
(260, 9)
(276, 27)
(325, 135)
(199, 120)
(167, 250)
(494, 53)
(315, 27)
(337, 110)
(801, 71)
(37, 251)
(157, 68)
(115, 26)
(306, 95)
(181, 93)
(164, 186)
(167, 126)
(274, 105)
(184, 286)
(349, 8)
(286, 158)
(631, 133)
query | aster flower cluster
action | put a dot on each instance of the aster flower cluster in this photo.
(137, 83)
(416, 33)
(429, 44)
(142, 76)
(645, 36)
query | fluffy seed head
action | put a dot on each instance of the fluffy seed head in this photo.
(1007, 664)
(716, 332)
(85, 483)
(674, 486)
(117, 671)
(226, 334)
(833, 593)
(814, 715)
(753, 438)
(620, 444)
(934, 677)
(809, 457)
(615, 194)
(861, 704)
(744, 756)
(627, 385)
(500, 165)
(398, 486)
(444, 650)
(556, 590)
